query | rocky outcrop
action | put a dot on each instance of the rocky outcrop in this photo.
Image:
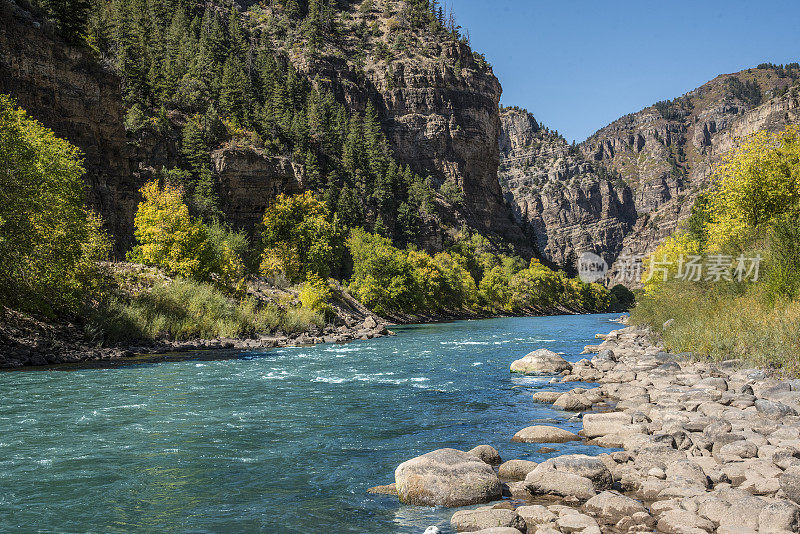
(64, 88)
(438, 105)
(667, 152)
(249, 180)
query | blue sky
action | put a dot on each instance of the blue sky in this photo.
(579, 64)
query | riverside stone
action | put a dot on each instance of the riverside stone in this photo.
(547, 397)
(516, 469)
(610, 507)
(485, 518)
(498, 530)
(544, 434)
(577, 523)
(601, 424)
(486, 453)
(678, 521)
(590, 467)
(446, 477)
(540, 362)
(559, 483)
(536, 515)
(790, 484)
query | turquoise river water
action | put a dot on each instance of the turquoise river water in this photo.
(284, 440)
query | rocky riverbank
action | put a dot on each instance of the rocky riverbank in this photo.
(702, 447)
(26, 341)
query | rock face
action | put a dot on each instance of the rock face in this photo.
(666, 153)
(438, 109)
(628, 186)
(62, 87)
(446, 477)
(445, 123)
(250, 180)
(569, 204)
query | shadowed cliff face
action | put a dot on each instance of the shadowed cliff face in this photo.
(658, 161)
(62, 87)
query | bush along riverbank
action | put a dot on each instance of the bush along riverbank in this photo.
(705, 447)
(145, 311)
(727, 283)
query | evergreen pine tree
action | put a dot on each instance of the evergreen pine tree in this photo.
(71, 16)
(193, 146)
(233, 90)
(313, 178)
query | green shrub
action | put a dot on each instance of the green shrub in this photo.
(182, 309)
(714, 323)
(621, 299)
(383, 277)
(300, 237)
(783, 262)
(49, 242)
(315, 294)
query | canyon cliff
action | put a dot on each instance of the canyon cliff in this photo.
(67, 90)
(436, 100)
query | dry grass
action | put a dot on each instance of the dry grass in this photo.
(723, 325)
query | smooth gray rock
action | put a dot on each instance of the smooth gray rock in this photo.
(774, 409)
(446, 477)
(790, 484)
(559, 483)
(610, 506)
(544, 434)
(486, 453)
(516, 469)
(540, 362)
(590, 467)
(485, 518)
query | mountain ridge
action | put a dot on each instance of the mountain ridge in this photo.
(658, 159)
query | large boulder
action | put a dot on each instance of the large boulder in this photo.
(610, 507)
(559, 483)
(446, 477)
(541, 362)
(516, 469)
(484, 518)
(544, 434)
(590, 467)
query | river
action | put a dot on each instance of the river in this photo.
(282, 440)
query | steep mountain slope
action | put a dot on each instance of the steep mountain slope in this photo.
(246, 103)
(436, 98)
(659, 159)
